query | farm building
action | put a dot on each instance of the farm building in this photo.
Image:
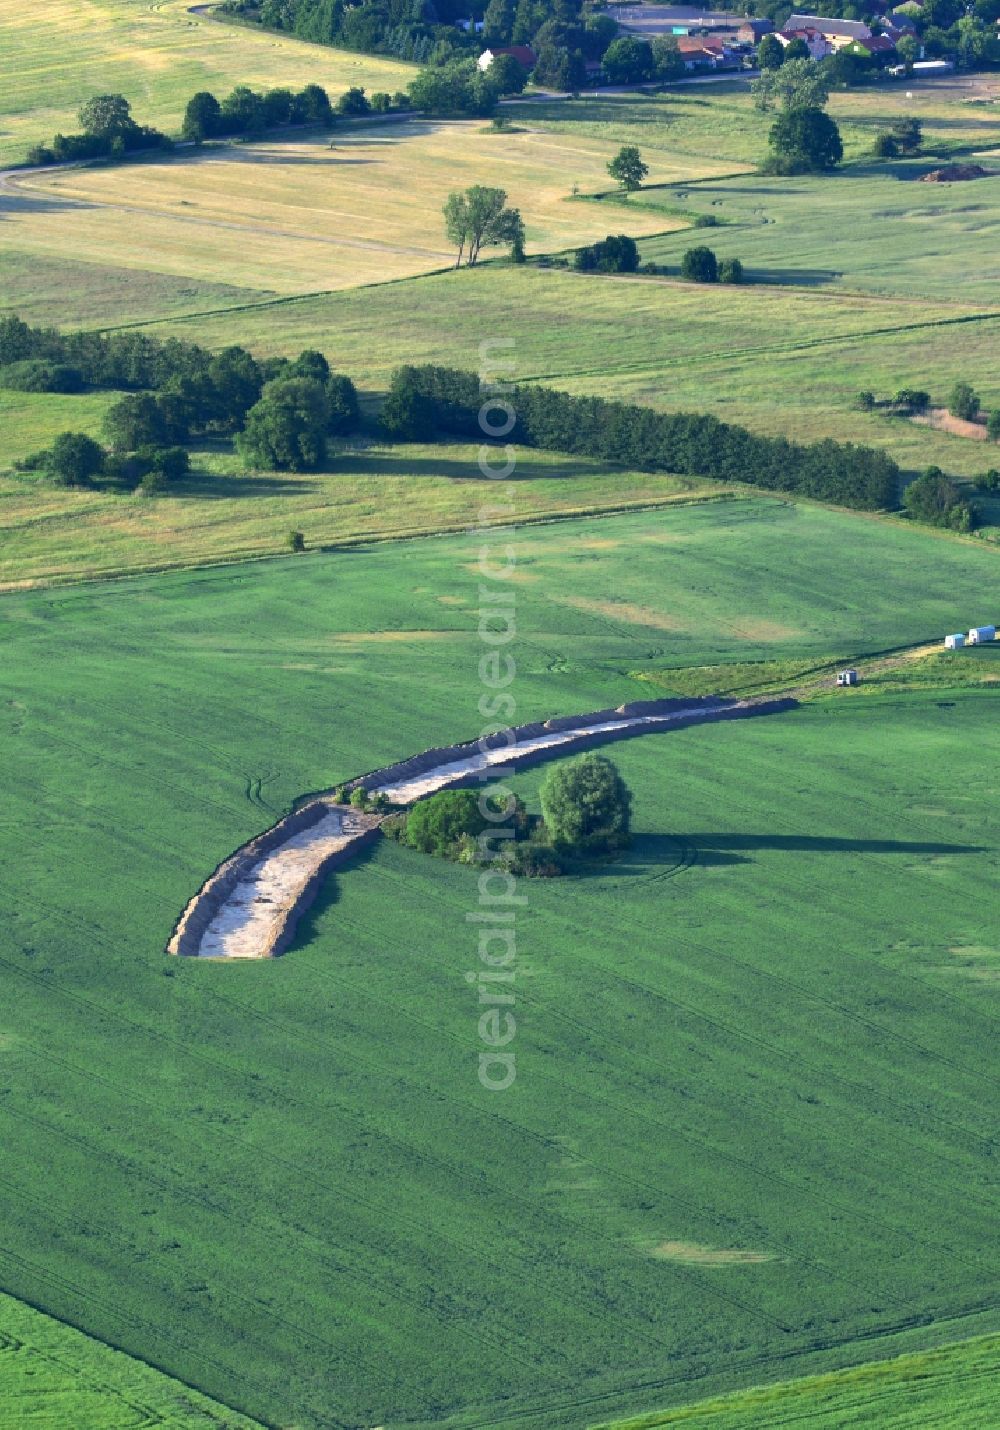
(751, 32)
(837, 33)
(955, 642)
(979, 635)
(847, 677)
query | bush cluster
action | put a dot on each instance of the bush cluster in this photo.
(935, 499)
(108, 131)
(699, 445)
(700, 265)
(283, 410)
(615, 254)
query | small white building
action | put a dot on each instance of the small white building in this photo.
(847, 677)
(979, 635)
(955, 642)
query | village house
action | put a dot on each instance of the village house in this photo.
(817, 45)
(751, 32)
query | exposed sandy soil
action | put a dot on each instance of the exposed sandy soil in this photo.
(943, 421)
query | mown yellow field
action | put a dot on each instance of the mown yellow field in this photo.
(157, 55)
(307, 216)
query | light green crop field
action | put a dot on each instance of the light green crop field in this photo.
(751, 1130)
(53, 1377)
(157, 56)
(958, 114)
(954, 1387)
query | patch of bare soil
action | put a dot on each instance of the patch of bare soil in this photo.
(689, 1253)
(944, 421)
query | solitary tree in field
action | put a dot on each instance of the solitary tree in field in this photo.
(699, 265)
(804, 141)
(796, 84)
(479, 216)
(627, 169)
(586, 803)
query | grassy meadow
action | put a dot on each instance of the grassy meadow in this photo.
(750, 1134)
(220, 512)
(781, 360)
(954, 1387)
(311, 214)
(157, 56)
(53, 1377)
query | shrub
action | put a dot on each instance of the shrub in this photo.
(730, 271)
(74, 459)
(912, 399)
(38, 375)
(993, 425)
(381, 103)
(865, 401)
(353, 101)
(359, 797)
(407, 416)
(436, 824)
(706, 221)
(935, 499)
(151, 484)
(585, 803)
(885, 146)
(296, 541)
(988, 481)
(615, 254)
(963, 402)
(699, 265)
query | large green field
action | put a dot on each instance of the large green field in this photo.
(954, 1388)
(751, 1131)
(53, 1377)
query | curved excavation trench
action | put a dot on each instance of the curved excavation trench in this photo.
(250, 906)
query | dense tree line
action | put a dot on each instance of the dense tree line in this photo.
(281, 410)
(699, 445)
(427, 31)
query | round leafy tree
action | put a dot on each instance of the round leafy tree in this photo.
(435, 824)
(287, 427)
(699, 265)
(586, 803)
(804, 141)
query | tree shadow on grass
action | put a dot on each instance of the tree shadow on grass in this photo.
(209, 486)
(675, 852)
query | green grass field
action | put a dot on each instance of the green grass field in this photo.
(750, 1134)
(53, 1377)
(157, 56)
(953, 1387)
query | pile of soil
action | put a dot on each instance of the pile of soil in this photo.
(954, 173)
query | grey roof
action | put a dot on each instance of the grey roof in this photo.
(854, 29)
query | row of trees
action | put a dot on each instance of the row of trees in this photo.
(281, 410)
(437, 398)
(109, 131)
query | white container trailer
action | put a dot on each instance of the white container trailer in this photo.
(979, 635)
(955, 642)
